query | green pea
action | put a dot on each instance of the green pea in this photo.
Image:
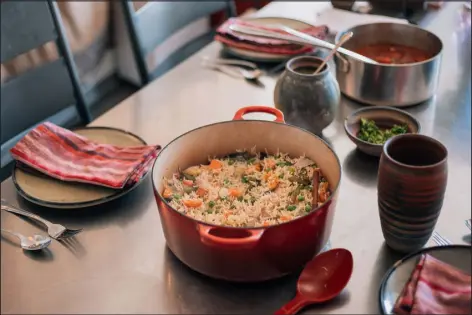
(211, 204)
(244, 180)
(307, 208)
(177, 196)
(188, 190)
(301, 198)
(291, 207)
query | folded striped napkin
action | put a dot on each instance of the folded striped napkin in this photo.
(225, 35)
(435, 288)
(67, 156)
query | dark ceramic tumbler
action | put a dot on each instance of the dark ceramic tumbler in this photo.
(411, 185)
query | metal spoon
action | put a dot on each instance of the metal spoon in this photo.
(297, 37)
(250, 74)
(233, 70)
(233, 62)
(35, 242)
(344, 38)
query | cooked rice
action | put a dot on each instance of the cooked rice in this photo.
(246, 189)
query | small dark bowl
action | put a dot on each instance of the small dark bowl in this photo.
(384, 117)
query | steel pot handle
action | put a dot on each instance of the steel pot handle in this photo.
(279, 116)
(342, 63)
(248, 241)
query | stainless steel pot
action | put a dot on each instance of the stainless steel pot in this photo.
(389, 84)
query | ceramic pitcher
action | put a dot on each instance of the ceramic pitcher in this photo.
(307, 100)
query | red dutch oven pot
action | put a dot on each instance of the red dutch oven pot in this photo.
(246, 254)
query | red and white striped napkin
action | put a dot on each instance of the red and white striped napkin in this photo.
(435, 288)
(67, 156)
(225, 35)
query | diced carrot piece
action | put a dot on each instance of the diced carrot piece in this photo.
(265, 223)
(383, 59)
(269, 163)
(192, 203)
(324, 185)
(273, 182)
(249, 170)
(285, 217)
(235, 192)
(258, 167)
(188, 182)
(167, 193)
(253, 168)
(201, 191)
(323, 192)
(266, 176)
(227, 213)
(215, 164)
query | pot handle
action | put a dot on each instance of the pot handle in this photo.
(279, 116)
(248, 241)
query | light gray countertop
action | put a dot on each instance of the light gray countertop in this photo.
(120, 263)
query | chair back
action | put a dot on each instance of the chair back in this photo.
(152, 24)
(48, 92)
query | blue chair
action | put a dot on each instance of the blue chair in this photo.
(156, 21)
(50, 92)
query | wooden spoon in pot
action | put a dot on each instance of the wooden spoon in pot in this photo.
(344, 38)
(322, 279)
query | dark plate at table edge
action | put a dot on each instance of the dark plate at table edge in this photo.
(401, 261)
(80, 205)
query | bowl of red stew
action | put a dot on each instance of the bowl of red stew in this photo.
(408, 68)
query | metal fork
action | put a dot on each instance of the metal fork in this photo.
(440, 240)
(467, 223)
(56, 231)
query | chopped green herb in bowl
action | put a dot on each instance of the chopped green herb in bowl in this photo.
(370, 127)
(371, 133)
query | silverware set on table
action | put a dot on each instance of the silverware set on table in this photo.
(235, 68)
(440, 240)
(38, 241)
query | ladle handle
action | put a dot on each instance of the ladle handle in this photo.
(347, 36)
(293, 306)
(306, 40)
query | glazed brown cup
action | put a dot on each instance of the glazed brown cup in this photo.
(411, 185)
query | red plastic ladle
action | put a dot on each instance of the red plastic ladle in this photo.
(323, 278)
